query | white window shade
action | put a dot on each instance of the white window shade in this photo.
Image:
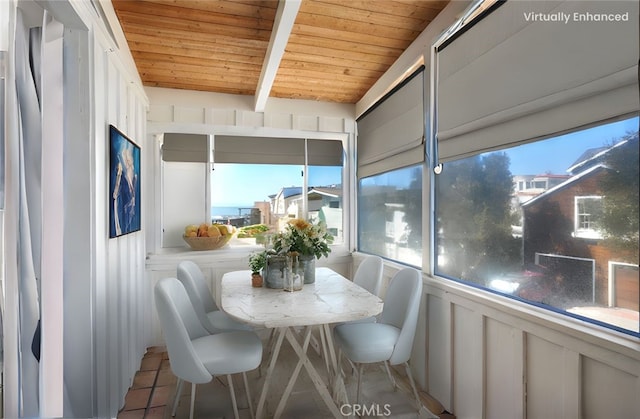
(513, 78)
(178, 147)
(266, 150)
(391, 135)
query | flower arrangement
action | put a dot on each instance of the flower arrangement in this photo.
(305, 238)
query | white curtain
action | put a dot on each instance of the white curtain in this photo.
(23, 214)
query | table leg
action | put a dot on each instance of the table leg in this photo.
(313, 374)
(331, 353)
(260, 410)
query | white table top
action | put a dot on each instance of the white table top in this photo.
(331, 299)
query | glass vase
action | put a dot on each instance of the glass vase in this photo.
(308, 268)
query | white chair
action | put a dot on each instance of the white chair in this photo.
(213, 319)
(369, 276)
(391, 338)
(195, 355)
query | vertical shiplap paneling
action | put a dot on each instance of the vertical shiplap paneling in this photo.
(102, 366)
(439, 338)
(608, 392)
(544, 378)
(572, 386)
(468, 353)
(114, 267)
(504, 371)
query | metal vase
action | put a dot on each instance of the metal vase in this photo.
(275, 271)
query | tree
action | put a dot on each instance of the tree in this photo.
(621, 184)
(474, 219)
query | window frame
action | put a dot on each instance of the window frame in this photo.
(579, 231)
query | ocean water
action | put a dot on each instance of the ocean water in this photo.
(225, 212)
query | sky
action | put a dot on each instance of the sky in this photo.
(237, 185)
(535, 159)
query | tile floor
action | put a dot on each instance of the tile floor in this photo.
(151, 395)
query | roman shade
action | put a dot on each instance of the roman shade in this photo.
(391, 134)
(268, 150)
(529, 70)
(185, 147)
(251, 150)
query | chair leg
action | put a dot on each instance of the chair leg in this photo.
(177, 396)
(413, 385)
(393, 382)
(193, 399)
(360, 372)
(246, 389)
(233, 397)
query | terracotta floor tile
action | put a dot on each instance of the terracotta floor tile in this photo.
(213, 398)
(161, 396)
(166, 378)
(144, 379)
(151, 362)
(137, 399)
(156, 413)
(132, 414)
(166, 365)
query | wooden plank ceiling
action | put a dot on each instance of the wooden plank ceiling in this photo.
(327, 50)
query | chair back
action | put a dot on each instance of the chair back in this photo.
(401, 307)
(201, 297)
(369, 274)
(180, 325)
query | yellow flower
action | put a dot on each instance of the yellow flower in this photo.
(299, 223)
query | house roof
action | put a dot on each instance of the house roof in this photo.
(325, 50)
(288, 192)
(596, 155)
(572, 180)
(327, 191)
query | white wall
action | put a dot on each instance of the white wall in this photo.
(105, 300)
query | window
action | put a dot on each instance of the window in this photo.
(259, 197)
(390, 156)
(255, 184)
(390, 215)
(532, 247)
(497, 124)
(588, 212)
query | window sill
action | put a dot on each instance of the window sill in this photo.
(231, 255)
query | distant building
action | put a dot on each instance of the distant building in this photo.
(325, 203)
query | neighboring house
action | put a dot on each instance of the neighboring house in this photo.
(526, 187)
(281, 202)
(575, 206)
(325, 203)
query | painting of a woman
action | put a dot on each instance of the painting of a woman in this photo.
(124, 185)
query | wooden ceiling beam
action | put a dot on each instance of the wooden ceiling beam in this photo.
(282, 26)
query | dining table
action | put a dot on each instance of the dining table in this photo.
(331, 299)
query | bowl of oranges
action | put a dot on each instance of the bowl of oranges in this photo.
(208, 236)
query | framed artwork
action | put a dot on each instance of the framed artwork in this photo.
(124, 184)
